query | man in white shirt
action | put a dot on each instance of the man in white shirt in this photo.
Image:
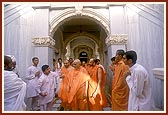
(139, 84)
(46, 88)
(60, 63)
(14, 88)
(32, 75)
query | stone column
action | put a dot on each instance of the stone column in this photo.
(117, 38)
(72, 53)
(117, 19)
(44, 49)
(42, 41)
(68, 51)
(115, 42)
(96, 52)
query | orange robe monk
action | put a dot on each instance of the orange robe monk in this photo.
(63, 93)
(120, 90)
(88, 68)
(97, 103)
(78, 89)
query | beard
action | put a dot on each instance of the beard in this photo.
(9, 69)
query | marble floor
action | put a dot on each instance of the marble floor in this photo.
(57, 106)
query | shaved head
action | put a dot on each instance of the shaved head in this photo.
(77, 61)
(92, 62)
(76, 64)
(66, 63)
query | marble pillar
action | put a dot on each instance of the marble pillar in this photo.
(44, 49)
(43, 43)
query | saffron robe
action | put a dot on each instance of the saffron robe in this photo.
(63, 93)
(77, 89)
(120, 89)
(97, 104)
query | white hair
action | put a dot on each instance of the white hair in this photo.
(77, 61)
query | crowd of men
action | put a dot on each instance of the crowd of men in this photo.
(80, 86)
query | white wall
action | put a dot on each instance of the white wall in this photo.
(21, 24)
(18, 31)
(146, 36)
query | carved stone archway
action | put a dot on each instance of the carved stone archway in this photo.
(89, 52)
(75, 35)
(70, 13)
(80, 41)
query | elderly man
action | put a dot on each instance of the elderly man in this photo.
(14, 88)
(77, 87)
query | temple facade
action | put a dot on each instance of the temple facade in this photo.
(84, 30)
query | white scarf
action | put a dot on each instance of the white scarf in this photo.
(14, 92)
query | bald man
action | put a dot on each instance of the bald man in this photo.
(77, 87)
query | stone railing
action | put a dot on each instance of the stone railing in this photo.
(158, 86)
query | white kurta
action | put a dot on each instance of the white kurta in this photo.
(59, 66)
(46, 84)
(58, 79)
(14, 92)
(31, 81)
(140, 89)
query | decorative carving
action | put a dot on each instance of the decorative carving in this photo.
(43, 41)
(78, 9)
(117, 39)
(68, 53)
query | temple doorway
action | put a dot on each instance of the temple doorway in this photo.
(83, 56)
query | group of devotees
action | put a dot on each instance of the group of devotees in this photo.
(79, 85)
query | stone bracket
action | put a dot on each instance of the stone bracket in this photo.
(118, 39)
(43, 41)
